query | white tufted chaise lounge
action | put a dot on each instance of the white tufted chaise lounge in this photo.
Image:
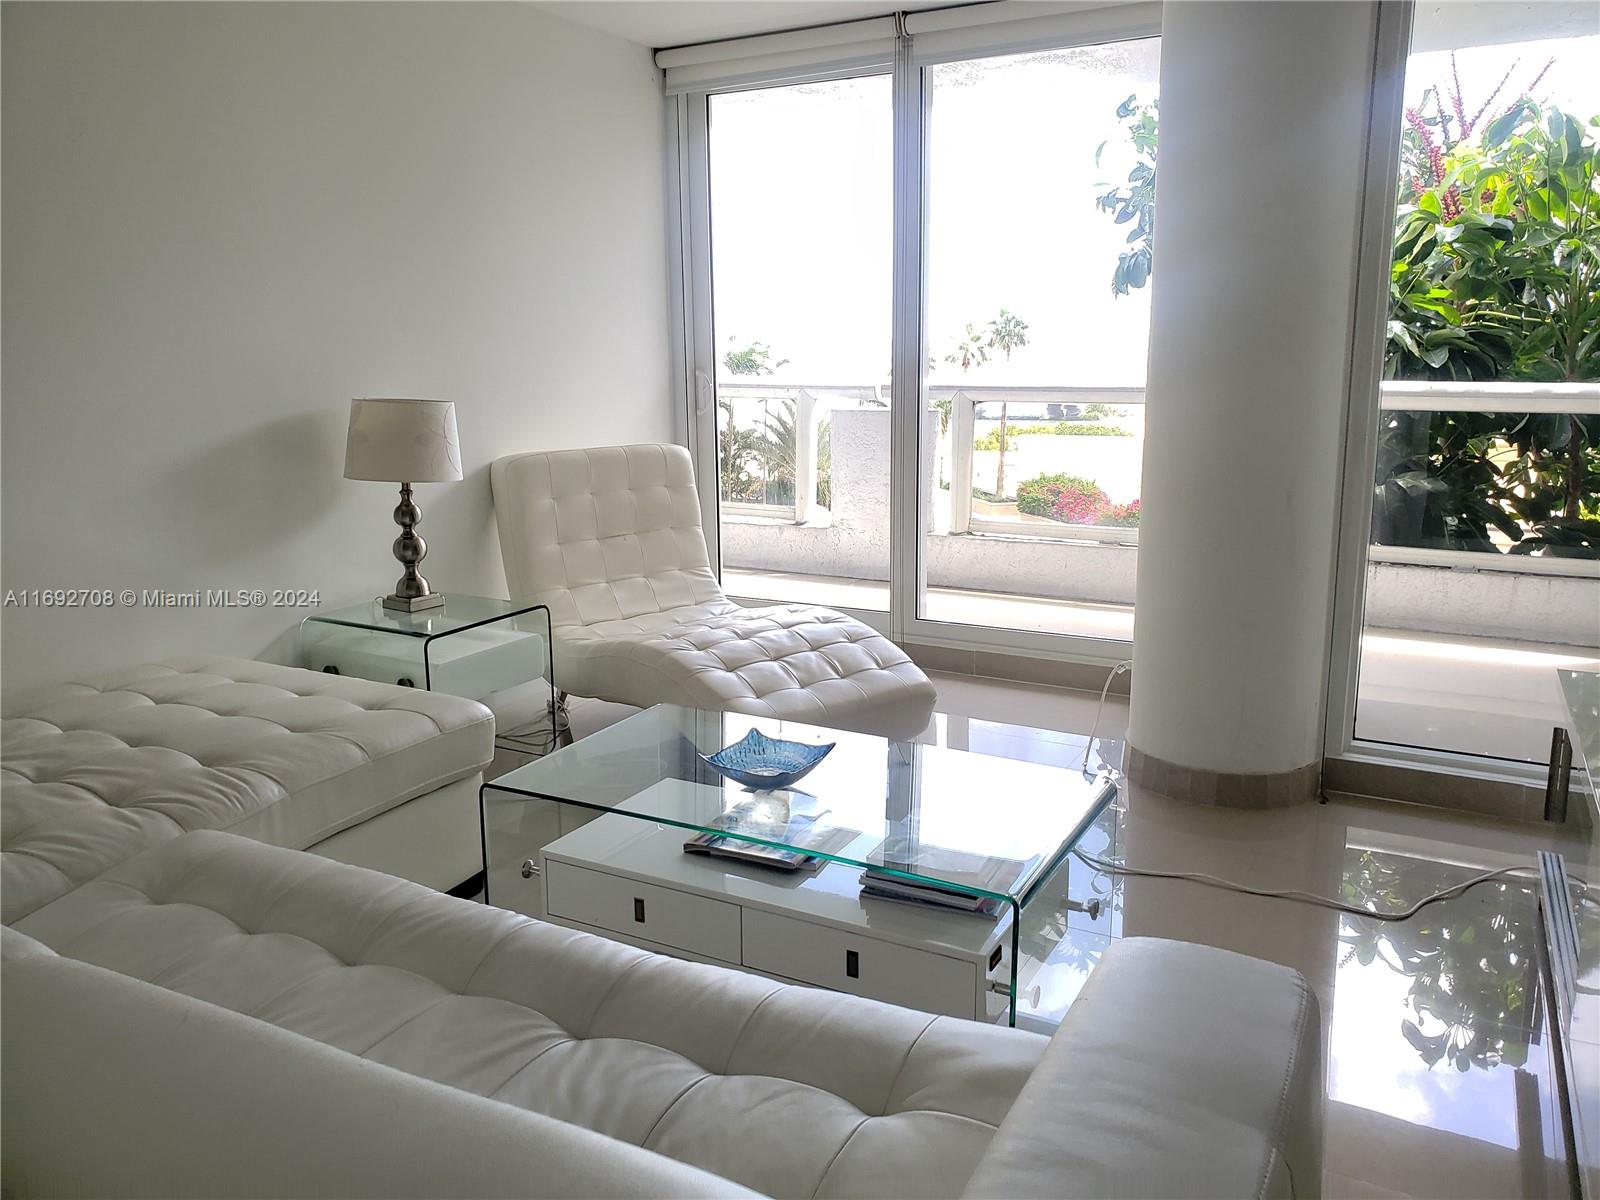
(610, 539)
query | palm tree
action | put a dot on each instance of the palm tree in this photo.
(1007, 332)
(969, 350)
(778, 444)
(753, 359)
(735, 449)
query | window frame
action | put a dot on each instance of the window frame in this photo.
(1373, 250)
(694, 343)
(694, 353)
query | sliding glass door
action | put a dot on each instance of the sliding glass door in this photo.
(1040, 202)
(1482, 571)
(801, 220)
(918, 329)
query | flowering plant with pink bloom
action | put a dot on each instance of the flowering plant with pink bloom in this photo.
(1073, 500)
(1120, 514)
(1078, 506)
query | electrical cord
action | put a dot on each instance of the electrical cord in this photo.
(1212, 881)
(1088, 747)
(1405, 914)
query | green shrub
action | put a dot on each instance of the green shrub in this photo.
(1079, 429)
(1037, 496)
(1079, 505)
(1125, 515)
(991, 440)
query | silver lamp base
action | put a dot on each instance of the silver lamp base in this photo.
(411, 604)
(411, 591)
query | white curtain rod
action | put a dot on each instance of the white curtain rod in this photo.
(845, 33)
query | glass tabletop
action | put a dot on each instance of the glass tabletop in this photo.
(964, 822)
(457, 613)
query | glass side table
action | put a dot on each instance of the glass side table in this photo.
(494, 651)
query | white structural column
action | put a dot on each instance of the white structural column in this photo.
(1264, 108)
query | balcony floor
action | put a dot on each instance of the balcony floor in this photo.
(1437, 691)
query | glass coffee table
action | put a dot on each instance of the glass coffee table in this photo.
(926, 866)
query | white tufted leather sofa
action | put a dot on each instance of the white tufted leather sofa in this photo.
(610, 539)
(94, 771)
(290, 1026)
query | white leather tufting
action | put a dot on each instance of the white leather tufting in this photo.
(788, 1090)
(97, 770)
(114, 1088)
(610, 540)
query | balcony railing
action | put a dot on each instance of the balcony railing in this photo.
(955, 455)
(798, 406)
(1531, 399)
(965, 402)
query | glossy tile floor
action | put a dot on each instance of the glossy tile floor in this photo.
(1436, 1060)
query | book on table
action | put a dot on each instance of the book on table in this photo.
(802, 839)
(956, 871)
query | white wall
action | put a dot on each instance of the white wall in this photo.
(222, 221)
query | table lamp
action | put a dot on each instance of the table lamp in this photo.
(405, 442)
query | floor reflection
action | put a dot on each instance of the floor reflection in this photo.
(1434, 1017)
(1438, 1076)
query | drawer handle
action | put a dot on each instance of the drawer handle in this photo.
(852, 964)
(530, 868)
(638, 910)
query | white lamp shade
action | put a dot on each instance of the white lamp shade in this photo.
(403, 441)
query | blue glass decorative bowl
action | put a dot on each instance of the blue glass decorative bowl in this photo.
(763, 764)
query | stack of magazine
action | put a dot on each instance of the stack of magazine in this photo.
(805, 837)
(956, 870)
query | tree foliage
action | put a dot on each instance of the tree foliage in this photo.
(970, 349)
(753, 358)
(759, 465)
(1005, 332)
(1493, 277)
(738, 458)
(777, 445)
(1135, 202)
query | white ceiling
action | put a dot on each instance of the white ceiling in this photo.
(659, 23)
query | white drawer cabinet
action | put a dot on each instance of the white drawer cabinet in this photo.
(663, 915)
(863, 966)
(631, 878)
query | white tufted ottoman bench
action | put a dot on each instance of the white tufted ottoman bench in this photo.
(93, 772)
(610, 539)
